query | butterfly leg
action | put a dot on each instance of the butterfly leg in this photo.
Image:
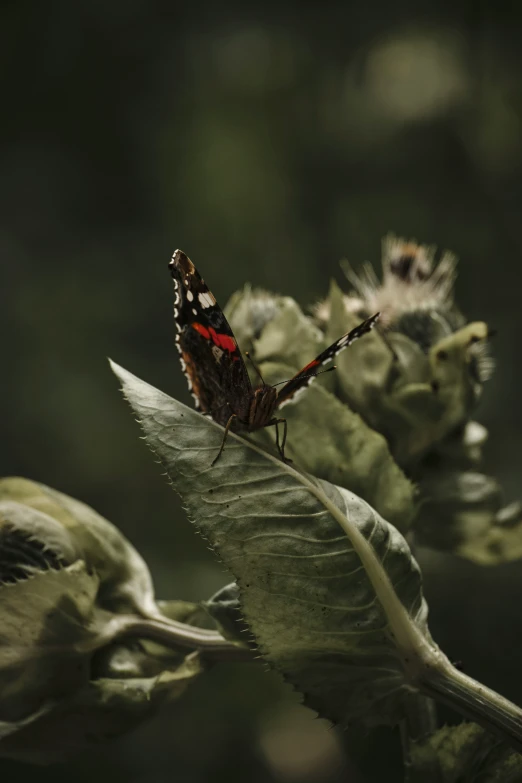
(227, 429)
(281, 447)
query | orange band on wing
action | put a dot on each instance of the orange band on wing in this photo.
(221, 340)
(202, 330)
(192, 375)
(310, 366)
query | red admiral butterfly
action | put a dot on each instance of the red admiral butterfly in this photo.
(214, 367)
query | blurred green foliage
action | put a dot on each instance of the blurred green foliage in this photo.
(268, 142)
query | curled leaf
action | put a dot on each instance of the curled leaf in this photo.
(45, 622)
(225, 608)
(102, 710)
(82, 642)
(74, 531)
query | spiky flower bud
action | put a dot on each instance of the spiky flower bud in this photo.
(393, 424)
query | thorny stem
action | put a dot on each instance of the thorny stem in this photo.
(174, 635)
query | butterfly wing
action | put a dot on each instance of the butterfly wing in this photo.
(304, 377)
(210, 357)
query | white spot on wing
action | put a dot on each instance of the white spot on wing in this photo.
(206, 299)
(177, 300)
(176, 311)
(190, 296)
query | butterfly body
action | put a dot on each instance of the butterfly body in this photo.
(263, 404)
(212, 362)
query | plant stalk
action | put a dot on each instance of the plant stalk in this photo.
(475, 701)
(173, 635)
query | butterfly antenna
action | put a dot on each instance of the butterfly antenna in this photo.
(310, 375)
(254, 365)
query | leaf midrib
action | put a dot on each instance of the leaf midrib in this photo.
(408, 638)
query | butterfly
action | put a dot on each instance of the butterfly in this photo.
(215, 370)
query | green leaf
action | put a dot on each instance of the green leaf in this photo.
(458, 754)
(330, 441)
(249, 310)
(289, 337)
(414, 398)
(329, 589)
(45, 622)
(462, 513)
(76, 666)
(225, 608)
(74, 531)
(325, 437)
(104, 709)
(365, 366)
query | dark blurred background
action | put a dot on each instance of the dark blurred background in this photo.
(268, 142)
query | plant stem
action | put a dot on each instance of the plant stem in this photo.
(171, 632)
(425, 665)
(173, 635)
(495, 713)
